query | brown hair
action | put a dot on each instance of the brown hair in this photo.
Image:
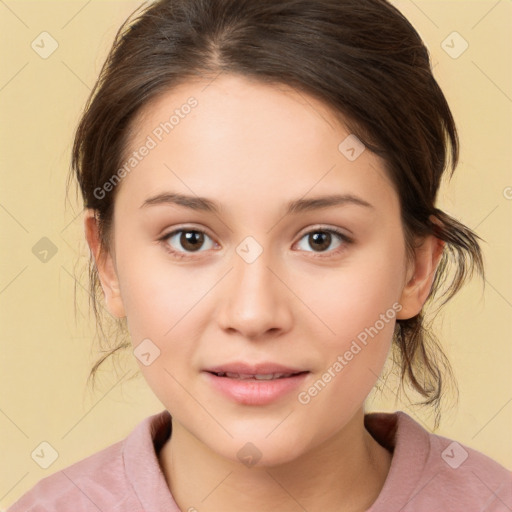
(362, 58)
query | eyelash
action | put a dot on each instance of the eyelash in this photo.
(184, 255)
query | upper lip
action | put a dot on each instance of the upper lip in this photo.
(253, 369)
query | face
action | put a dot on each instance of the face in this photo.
(233, 274)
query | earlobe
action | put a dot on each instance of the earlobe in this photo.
(105, 266)
(418, 286)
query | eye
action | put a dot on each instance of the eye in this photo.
(183, 242)
(322, 239)
(190, 240)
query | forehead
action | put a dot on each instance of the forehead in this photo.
(240, 140)
(239, 108)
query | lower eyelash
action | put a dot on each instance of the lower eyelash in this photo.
(176, 254)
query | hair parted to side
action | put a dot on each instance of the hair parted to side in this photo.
(362, 58)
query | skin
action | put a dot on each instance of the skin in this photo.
(252, 148)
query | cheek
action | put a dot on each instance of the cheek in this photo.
(353, 358)
(358, 303)
(156, 294)
(160, 303)
(164, 304)
(354, 297)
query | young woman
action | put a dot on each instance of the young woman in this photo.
(260, 182)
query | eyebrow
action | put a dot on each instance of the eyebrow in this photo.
(296, 206)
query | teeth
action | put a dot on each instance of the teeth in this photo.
(243, 376)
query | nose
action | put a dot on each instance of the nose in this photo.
(255, 302)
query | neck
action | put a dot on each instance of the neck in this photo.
(345, 473)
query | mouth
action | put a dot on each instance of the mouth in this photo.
(261, 376)
(255, 385)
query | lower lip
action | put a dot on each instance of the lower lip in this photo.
(255, 392)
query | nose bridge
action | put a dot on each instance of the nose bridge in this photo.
(255, 300)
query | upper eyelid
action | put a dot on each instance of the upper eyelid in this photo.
(323, 227)
(318, 227)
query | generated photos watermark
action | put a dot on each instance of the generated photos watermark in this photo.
(305, 397)
(152, 141)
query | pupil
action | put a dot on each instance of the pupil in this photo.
(192, 240)
(321, 239)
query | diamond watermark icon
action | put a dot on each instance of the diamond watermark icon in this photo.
(44, 455)
(351, 147)
(249, 454)
(44, 45)
(44, 250)
(146, 352)
(454, 455)
(249, 249)
(454, 45)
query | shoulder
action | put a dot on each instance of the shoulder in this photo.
(473, 478)
(102, 481)
(83, 486)
(432, 472)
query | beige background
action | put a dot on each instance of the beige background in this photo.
(46, 351)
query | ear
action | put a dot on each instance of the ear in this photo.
(420, 276)
(105, 266)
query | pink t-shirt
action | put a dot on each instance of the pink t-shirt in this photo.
(428, 473)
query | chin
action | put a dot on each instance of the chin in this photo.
(255, 450)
